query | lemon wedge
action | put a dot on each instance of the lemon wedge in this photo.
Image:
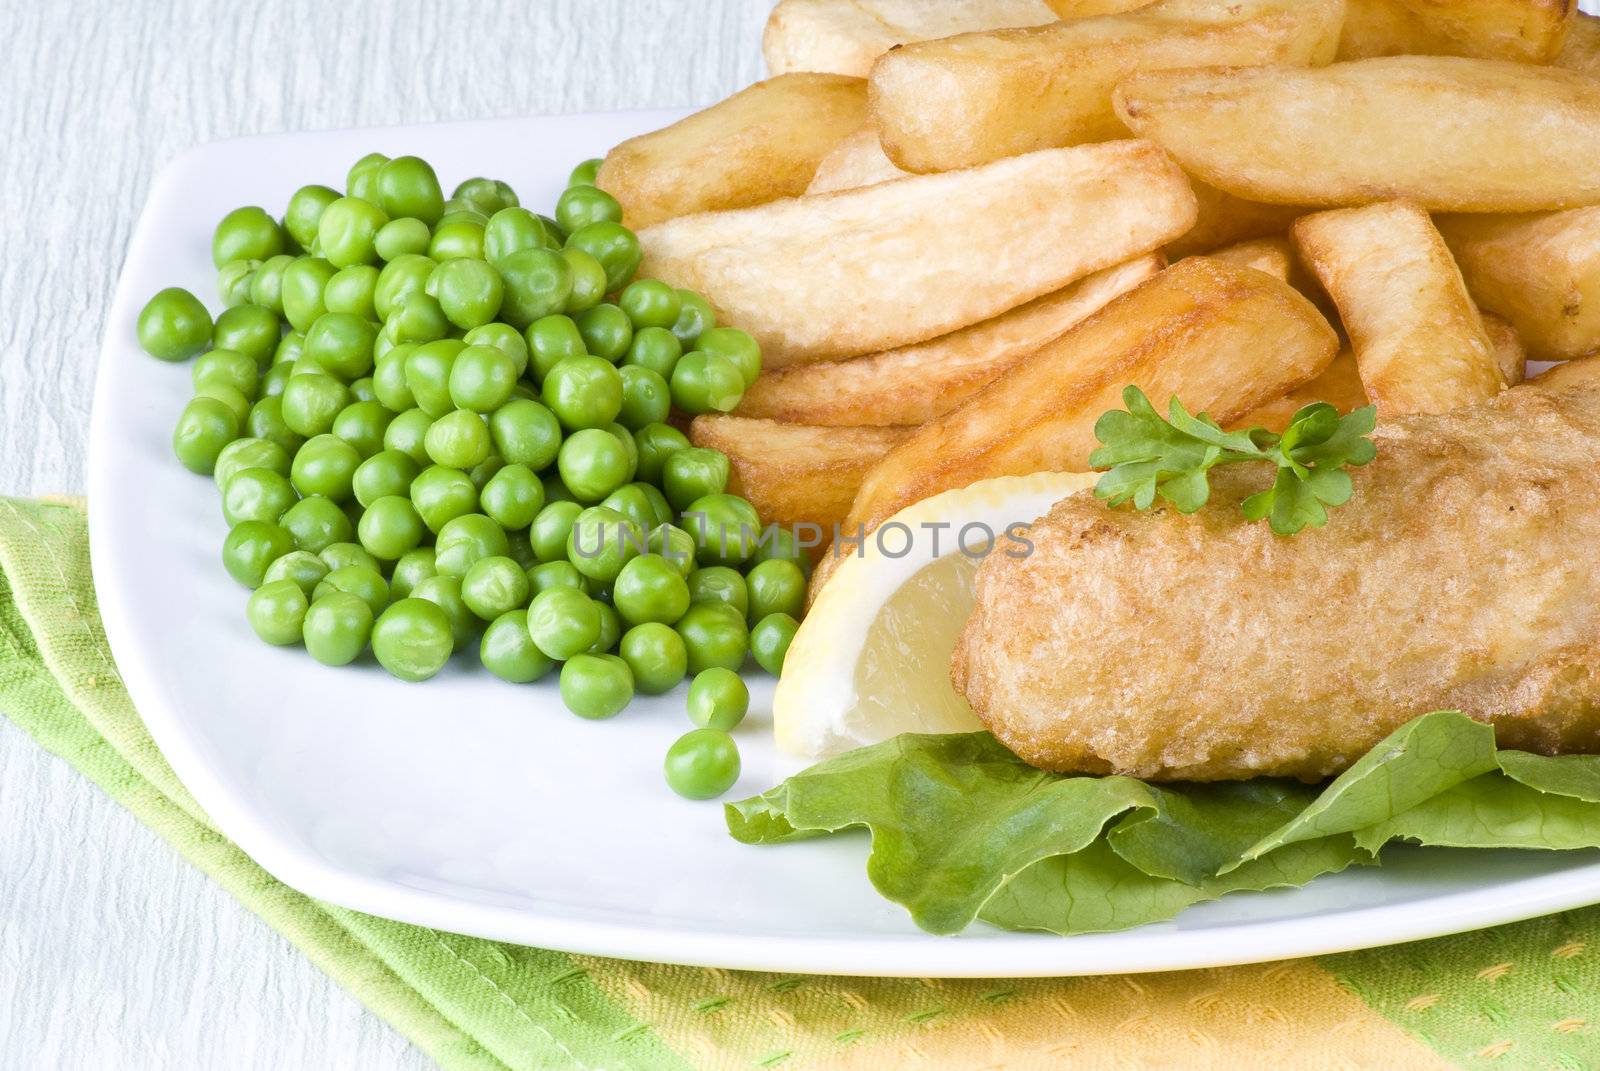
(872, 658)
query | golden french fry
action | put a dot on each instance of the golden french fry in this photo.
(1339, 385)
(1568, 374)
(856, 271)
(1086, 9)
(966, 100)
(1509, 353)
(856, 161)
(1540, 271)
(1530, 31)
(760, 144)
(845, 36)
(1223, 219)
(1581, 52)
(1223, 339)
(1452, 134)
(914, 384)
(794, 474)
(1272, 255)
(1417, 337)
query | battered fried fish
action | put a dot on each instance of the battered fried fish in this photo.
(1461, 575)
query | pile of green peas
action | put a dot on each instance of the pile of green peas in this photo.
(438, 421)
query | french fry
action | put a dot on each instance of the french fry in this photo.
(791, 473)
(916, 383)
(856, 161)
(966, 100)
(857, 271)
(1530, 31)
(1339, 385)
(1567, 374)
(845, 36)
(760, 144)
(1087, 9)
(1223, 339)
(1540, 271)
(1417, 337)
(1509, 353)
(1223, 219)
(1581, 52)
(1452, 134)
(1275, 256)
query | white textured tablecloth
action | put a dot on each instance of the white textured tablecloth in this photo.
(114, 953)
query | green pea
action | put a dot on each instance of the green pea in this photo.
(495, 585)
(458, 440)
(266, 284)
(352, 291)
(661, 511)
(610, 631)
(551, 529)
(325, 465)
(486, 195)
(445, 593)
(555, 490)
(725, 528)
(249, 453)
(257, 495)
(718, 699)
(646, 398)
(655, 349)
(174, 325)
(465, 540)
(715, 634)
(266, 422)
(291, 347)
(702, 764)
(251, 546)
(537, 283)
(583, 392)
(311, 401)
(362, 181)
(695, 317)
(770, 640)
(245, 234)
(233, 399)
(340, 553)
(407, 433)
(441, 495)
(513, 497)
(274, 379)
(277, 612)
(362, 424)
(509, 652)
(234, 281)
(401, 237)
(413, 568)
(606, 331)
(348, 229)
(651, 303)
(341, 344)
(303, 568)
(229, 368)
(656, 656)
(602, 542)
(676, 546)
(365, 583)
(551, 340)
(511, 230)
(557, 574)
(649, 588)
(592, 464)
(631, 501)
(613, 245)
(428, 369)
(481, 378)
(412, 639)
(704, 382)
(525, 433)
(406, 274)
(302, 286)
(584, 173)
(253, 330)
(390, 527)
(305, 209)
(503, 337)
(736, 346)
(776, 587)
(316, 522)
(655, 443)
(594, 686)
(581, 205)
(469, 291)
(407, 186)
(457, 237)
(589, 282)
(720, 584)
(692, 473)
(205, 427)
(563, 622)
(337, 627)
(385, 473)
(778, 543)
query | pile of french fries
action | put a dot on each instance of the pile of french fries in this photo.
(960, 227)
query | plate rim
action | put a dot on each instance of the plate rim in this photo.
(977, 954)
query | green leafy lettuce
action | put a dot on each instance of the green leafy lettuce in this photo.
(962, 829)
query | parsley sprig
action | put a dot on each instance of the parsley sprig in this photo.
(1147, 457)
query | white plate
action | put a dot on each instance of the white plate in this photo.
(475, 806)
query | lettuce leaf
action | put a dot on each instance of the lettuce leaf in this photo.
(962, 829)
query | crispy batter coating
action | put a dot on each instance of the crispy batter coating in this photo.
(1461, 575)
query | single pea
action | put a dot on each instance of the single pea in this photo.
(266, 422)
(413, 568)
(770, 640)
(311, 401)
(656, 655)
(551, 529)
(465, 540)
(725, 529)
(412, 639)
(353, 291)
(551, 340)
(596, 687)
(456, 236)
(776, 587)
(715, 635)
(407, 186)
(605, 330)
(406, 274)
(245, 234)
(445, 593)
(485, 194)
(693, 473)
(654, 348)
(364, 583)
(441, 495)
(401, 237)
(277, 611)
(718, 699)
(205, 427)
(556, 574)
(301, 289)
(695, 318)
(458, 440)
(584, 173)
(610, 631)
(385, 473)
(342, 553)
(614, 246)
(602, 542)
(252, 330)
(428, 369)
(389, 379)
(362, 180)
(229, 368)
(503, 337)
(563, 622)
(469, 291)
(661, 512)
(234, 281)
(536, 282)
(646, 398)
(341, 344)
(509, 652)
(720, 584)
(416, 318)
(735, 345)
(513, 497)
(511, 230)
(325, 465)
(495, 585)
(233, 399)
(649, 588)
(704, 383)
(407, 434)
(555, 490)
(525, 433)
(274, 379)
(256, 495)
(778, 543)
(581, 205)
(588, 281)
(305, 211)
(249, 453)
(348, 229)
(290, 348)
(266, 284)
(650, 303)
(702, 764)
(390, 527)
(631, 501)
(315, 523)
(592, 464)
(251, 546)
(584, 392)
(481, 378)
(655, 443)
(337, 627)
(303, 568)
(676, 546)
